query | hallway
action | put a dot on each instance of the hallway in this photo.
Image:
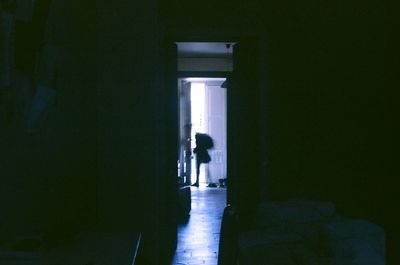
(198, 239)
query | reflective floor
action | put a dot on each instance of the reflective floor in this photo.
(198, 239)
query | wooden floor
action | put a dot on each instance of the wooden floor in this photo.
(198, 239)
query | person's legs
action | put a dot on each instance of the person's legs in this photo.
(197, 173)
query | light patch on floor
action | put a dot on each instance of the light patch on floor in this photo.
(198, 239)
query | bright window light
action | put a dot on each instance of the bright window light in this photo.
(197, 98)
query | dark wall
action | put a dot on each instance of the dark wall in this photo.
(133, 126)
(47, 175)
(330, 109)
(98, 161)
(126, 109)
(329, 126)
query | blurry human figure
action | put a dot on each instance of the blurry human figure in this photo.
(203, 143)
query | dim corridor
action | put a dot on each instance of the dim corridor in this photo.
(198, 239)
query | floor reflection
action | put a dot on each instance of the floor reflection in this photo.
(198, 239)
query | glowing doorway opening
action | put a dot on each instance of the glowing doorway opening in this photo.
(202, 110)
(199, 124)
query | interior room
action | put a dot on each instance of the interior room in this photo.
(202, 109)
(207, 115)
(89, 131)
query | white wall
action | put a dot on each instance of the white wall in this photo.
(204, 64)
(216, 123)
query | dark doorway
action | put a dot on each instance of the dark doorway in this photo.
(242, 122)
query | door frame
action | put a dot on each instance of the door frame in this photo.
(208, 74)
(168, 40)
(173, 39)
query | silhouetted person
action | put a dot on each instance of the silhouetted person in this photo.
(203, 142)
